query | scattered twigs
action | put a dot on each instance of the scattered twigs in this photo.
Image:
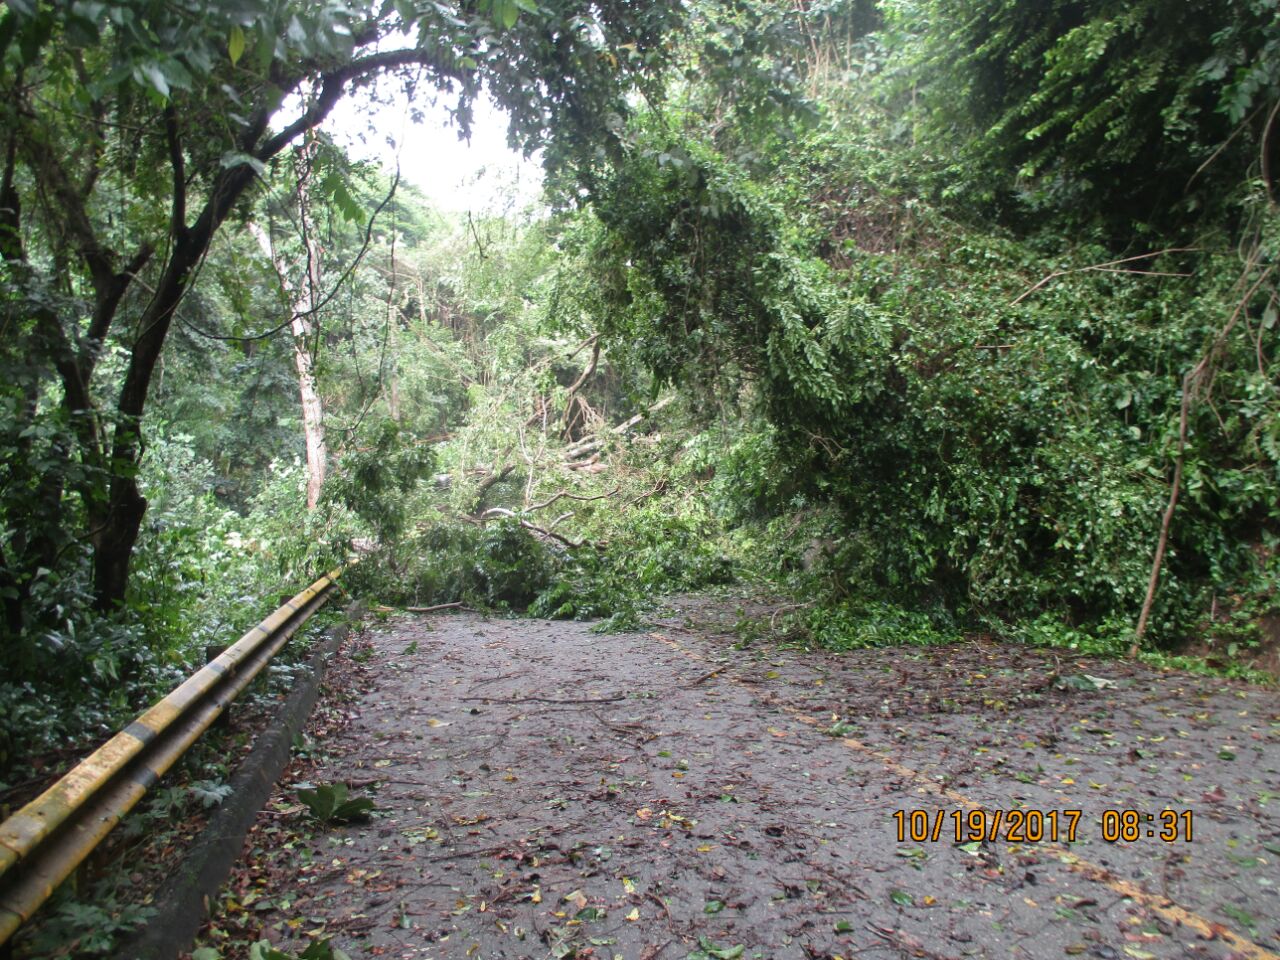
(456, 605)
(671, 923)
(632, 734)
(658, 488)
(1111, 266)
(904, 942)
(613, 699)
(1192, 384)
(652, 952)
(704, 678)
(501, 676)
(459, 855)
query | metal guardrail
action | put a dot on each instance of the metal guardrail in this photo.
(46, 840)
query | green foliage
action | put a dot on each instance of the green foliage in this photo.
(709, 950)
(1127, 113)
(210, 793)
(857, 624)
(136, 135)
(986, 430)
(640, 556)
(650, 551)
(510, 567)
(373, 480)
(332, 803)
(316, 950)
(497, 565)
(88, 926)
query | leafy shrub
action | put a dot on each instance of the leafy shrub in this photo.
(639, 555)
(650, 552)
(1001, 450)
(510, 566)
(332, 803)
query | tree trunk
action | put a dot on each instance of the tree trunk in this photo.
(302, 299)
(312, 422)
(115, 537)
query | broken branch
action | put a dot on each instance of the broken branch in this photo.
(1109, 267)
(566, 495)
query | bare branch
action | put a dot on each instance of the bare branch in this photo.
(658, 488)
(493, 479)
(436, 607)
(1105, 267)
(566, 495)
(1240, 128)
(1192, 383)
(104, 310)
(577, 384)
(494, 513)
(332, 86)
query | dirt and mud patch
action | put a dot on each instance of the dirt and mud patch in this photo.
(546, 791)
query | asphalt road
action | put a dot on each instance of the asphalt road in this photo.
(546, 791)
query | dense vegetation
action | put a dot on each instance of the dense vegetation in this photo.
(988, 291)
(940, 316)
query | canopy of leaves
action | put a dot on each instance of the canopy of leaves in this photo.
(1132, 113)
(985, 421)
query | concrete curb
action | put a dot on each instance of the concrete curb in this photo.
(182, 905)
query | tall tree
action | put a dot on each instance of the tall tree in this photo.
(302, 290)
(115, 112)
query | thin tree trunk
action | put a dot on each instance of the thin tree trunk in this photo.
(303, 328)
(301, 304)
(312, 421)
(1191, 384)
(1166, 522)
(114, 539)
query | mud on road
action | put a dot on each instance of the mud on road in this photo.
(546, 791)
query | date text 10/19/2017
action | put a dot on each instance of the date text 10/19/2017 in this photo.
(1036, 826)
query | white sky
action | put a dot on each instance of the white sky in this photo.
(480, 176)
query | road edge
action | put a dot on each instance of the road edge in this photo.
(183, 905)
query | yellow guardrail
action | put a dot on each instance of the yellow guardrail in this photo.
(46, 840)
